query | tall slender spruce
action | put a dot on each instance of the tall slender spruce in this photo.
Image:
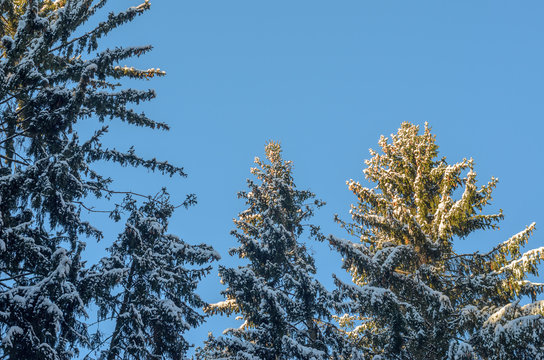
(276, 295)
(413, 296)
(52, 76)
(157, 274)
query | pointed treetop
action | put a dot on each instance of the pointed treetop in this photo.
(278, 167)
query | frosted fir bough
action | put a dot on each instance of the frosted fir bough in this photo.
(52, 76)
(413, 296)
(284, 309)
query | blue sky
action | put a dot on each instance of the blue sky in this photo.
(326, 79)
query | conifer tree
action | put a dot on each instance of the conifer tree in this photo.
(276, 295)
(52, 76)
(156, 273)
(413, 296)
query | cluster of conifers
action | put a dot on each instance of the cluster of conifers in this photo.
(411, 296)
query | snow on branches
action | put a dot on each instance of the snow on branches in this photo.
(53, 76)
(413, 296)
(284, 308)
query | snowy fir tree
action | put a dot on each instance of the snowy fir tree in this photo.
(52, 76)
(413, 296)
(157, 276)
(283, 307)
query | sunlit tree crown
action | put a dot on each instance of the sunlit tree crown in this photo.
(413, 296)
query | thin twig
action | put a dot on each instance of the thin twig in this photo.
(14, 160)
(96, 347)
(91, 209)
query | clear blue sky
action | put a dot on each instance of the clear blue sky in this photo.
(326, 79)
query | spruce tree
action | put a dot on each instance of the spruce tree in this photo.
(282, 305)
(52, 76)
(157, 276)
(413, 296)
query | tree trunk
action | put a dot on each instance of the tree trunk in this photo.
(113, 351)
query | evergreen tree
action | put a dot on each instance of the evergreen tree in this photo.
(281, 303)
(413, 296)
(53, 75)
(156, 303)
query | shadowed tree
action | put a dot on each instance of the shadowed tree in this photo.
(53, 75)
(157, 273)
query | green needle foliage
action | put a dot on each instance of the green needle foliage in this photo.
(284, 308)
(53, 75)
(158, 274)
(413, 296)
